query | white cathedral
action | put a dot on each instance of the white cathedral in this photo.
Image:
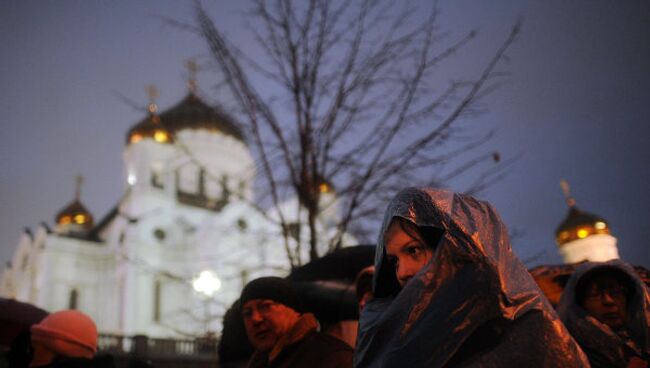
(179, 245)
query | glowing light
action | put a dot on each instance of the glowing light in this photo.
(160, 136)
(136, 138)
(207, 283)
(600, 225)
(80, 219)
(324, 188)
(65, 220)
(582, 233)
(131, 179)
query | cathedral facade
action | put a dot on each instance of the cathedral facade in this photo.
(175, 251)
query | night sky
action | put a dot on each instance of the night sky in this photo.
(576, 105)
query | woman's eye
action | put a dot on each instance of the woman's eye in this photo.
(414, 251)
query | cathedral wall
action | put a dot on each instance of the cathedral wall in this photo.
(223, 157)
(80, 275)
(594, 248)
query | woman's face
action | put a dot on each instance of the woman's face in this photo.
(605, 299)
(407, 253)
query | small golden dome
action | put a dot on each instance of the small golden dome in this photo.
(579, 225)
(149, 128)
(75, 214)
(75, 217)
(189, 114)
(324, 186)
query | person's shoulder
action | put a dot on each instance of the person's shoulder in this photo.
(333, 343)
(324, 350)
(99, 361)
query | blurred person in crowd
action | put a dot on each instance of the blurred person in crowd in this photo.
(605, 306)
(363, 286)
(21, 352)
(16, 318)
(449, 291)
(281, 335)
(66, 338)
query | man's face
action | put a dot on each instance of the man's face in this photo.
(266, 321)
(408, 254)
(605, 299)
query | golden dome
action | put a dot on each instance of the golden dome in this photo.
(190, 113)
(579, 225)
(75, 217)
(149, 128)
(325, 186)
(75, 214)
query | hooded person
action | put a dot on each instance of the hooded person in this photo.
(448, 291)
(281, 335)
(606, 307)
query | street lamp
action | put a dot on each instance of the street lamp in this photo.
(207, 283)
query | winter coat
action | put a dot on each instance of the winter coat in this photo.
(473, 304)
(99, 361)
(304, 346)
(603, 346)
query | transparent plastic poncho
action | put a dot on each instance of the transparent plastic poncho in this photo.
(474, 283)
(605, 347)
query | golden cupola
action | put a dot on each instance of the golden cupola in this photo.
(151, 127)
(325, 187)
(74, 218)
(584, 236)
(191, 113)
(578, 224)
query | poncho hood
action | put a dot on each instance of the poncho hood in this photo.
(604, 346)
(473, 283)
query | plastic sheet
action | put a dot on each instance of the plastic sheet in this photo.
(473, 304)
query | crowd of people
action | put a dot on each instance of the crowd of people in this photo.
(446, 290)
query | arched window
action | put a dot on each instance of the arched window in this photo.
(73, 300)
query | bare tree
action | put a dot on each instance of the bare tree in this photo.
(354, 105)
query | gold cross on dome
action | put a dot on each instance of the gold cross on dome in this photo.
(152, 92)
(79, 181)
(566, 189)
(192, 70)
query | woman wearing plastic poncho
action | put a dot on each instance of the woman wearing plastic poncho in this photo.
(606, 307)
(472, 302)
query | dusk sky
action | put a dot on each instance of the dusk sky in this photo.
(576, 105)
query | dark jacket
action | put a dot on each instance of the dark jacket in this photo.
(99, 361)
(304, 346)
(473, 304)
(603, 346)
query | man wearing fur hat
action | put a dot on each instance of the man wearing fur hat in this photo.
(281, 335)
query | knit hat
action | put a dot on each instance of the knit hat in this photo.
(272, 288)
(69, 333)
